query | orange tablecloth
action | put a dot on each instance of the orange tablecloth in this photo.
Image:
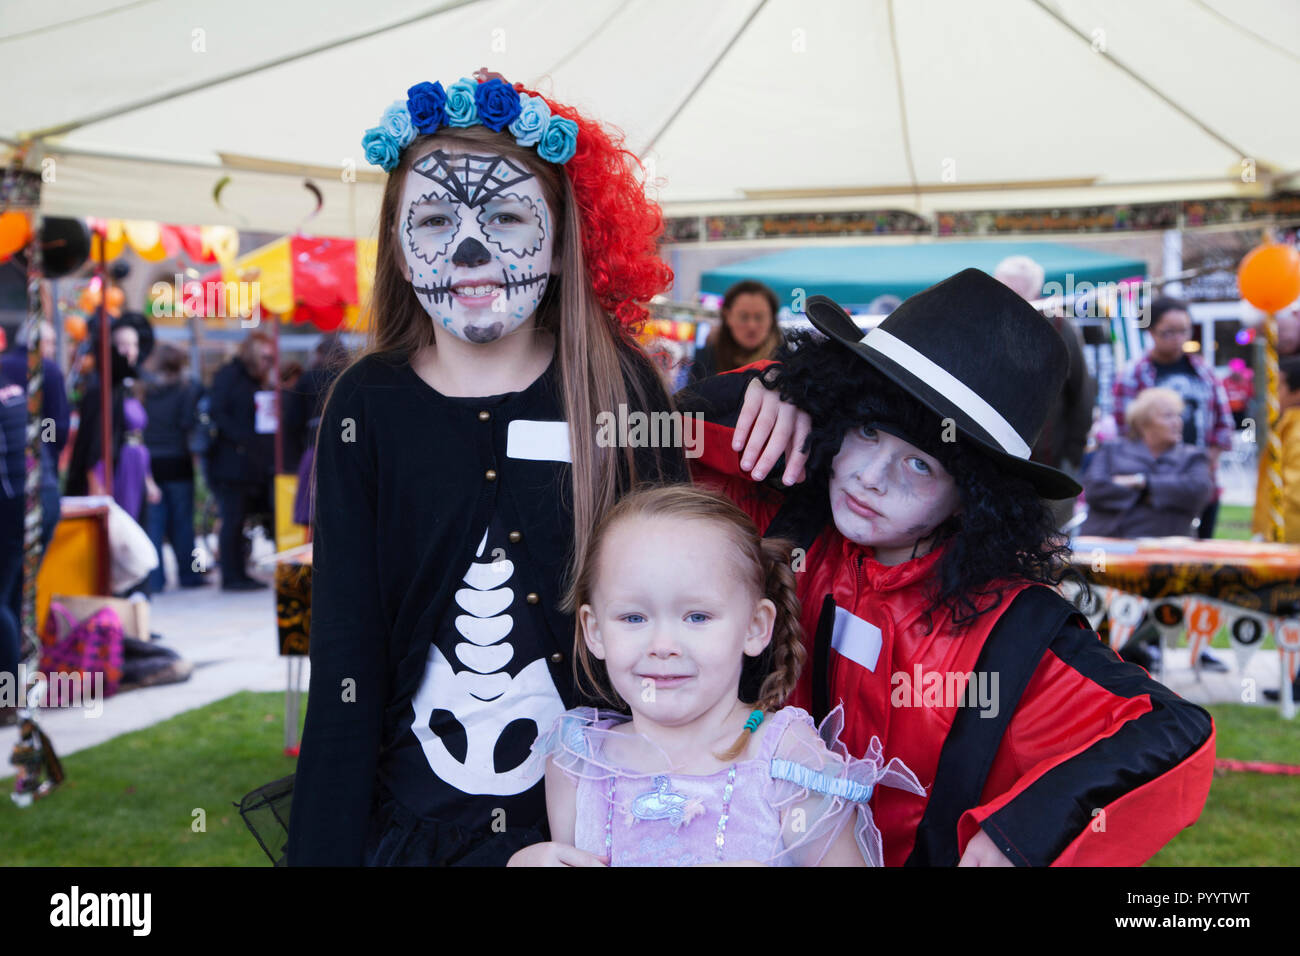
(1258, 576)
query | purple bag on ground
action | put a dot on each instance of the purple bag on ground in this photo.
(86, 648)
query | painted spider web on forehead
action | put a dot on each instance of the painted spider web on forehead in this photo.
(472, 179)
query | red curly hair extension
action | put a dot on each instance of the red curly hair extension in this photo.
(620, 224)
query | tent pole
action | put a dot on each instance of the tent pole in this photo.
(38, 769)
(275, 385)
(105, 367)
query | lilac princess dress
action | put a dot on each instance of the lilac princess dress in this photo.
(132, 460)
(783, 803)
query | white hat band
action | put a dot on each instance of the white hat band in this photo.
(985, 415)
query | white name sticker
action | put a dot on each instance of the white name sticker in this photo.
(856, 639)
(538, 441)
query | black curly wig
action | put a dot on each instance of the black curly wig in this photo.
(1004, 529)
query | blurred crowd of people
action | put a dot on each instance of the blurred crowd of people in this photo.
(1149, 469)
(167, 431)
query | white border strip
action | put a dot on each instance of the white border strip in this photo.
(988, 418)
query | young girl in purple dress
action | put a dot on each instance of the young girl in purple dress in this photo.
(132, 475)
(681, 608)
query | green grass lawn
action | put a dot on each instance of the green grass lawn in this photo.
(130, 801)
(1250, 819)
(1233, 522)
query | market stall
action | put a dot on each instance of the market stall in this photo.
(298, 279)
(857, 276)
(1196, 590)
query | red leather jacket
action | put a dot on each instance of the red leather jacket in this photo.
(1100, 764)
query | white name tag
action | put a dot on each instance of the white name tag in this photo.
(856, 639)
(538, 441)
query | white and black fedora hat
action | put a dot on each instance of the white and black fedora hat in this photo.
(971, 350)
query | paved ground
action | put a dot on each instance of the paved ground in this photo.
(231, 639)
(1263, 669)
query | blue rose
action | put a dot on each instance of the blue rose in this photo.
(426, 103)
(461, 108)
(397, 121)
(497, 102)
(533, 116)
(559, 140)
(380, 148)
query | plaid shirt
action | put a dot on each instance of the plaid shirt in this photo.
(1216, 423)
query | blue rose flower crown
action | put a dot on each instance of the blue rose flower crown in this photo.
(492, 103)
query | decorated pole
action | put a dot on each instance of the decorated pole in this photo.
(1269, 279)
(38, 770)
(1276, 522)
(106, 410)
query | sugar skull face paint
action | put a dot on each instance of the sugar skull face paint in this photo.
(477, 236)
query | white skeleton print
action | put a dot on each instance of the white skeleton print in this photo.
(483, 698)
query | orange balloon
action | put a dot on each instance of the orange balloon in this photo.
(15, 230)
(75, 327)
(88, 301)
(115, 300)
(1269, 276)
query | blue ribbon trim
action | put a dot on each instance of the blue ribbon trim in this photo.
(811, 779)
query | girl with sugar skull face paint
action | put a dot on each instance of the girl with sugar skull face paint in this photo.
(477, 242)
(457, 473)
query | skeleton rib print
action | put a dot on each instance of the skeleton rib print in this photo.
(479, 701)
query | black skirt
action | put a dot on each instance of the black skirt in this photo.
(397, 837)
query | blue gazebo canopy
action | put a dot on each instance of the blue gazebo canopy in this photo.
(855, 275)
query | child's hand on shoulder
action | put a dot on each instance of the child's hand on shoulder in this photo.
(768, 428)
(554, 854)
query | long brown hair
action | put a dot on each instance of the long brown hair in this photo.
(768, 560)
(598, 359)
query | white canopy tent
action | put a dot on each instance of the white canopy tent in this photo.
(737, 105)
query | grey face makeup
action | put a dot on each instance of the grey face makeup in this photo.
(888, 494)
(477, 236)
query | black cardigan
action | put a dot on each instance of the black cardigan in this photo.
(399, 511)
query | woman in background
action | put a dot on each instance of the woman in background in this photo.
(747, 333)
(1151, 484)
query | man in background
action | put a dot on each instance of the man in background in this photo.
(1065, 434)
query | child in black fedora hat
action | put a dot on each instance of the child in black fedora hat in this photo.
(926, 547)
